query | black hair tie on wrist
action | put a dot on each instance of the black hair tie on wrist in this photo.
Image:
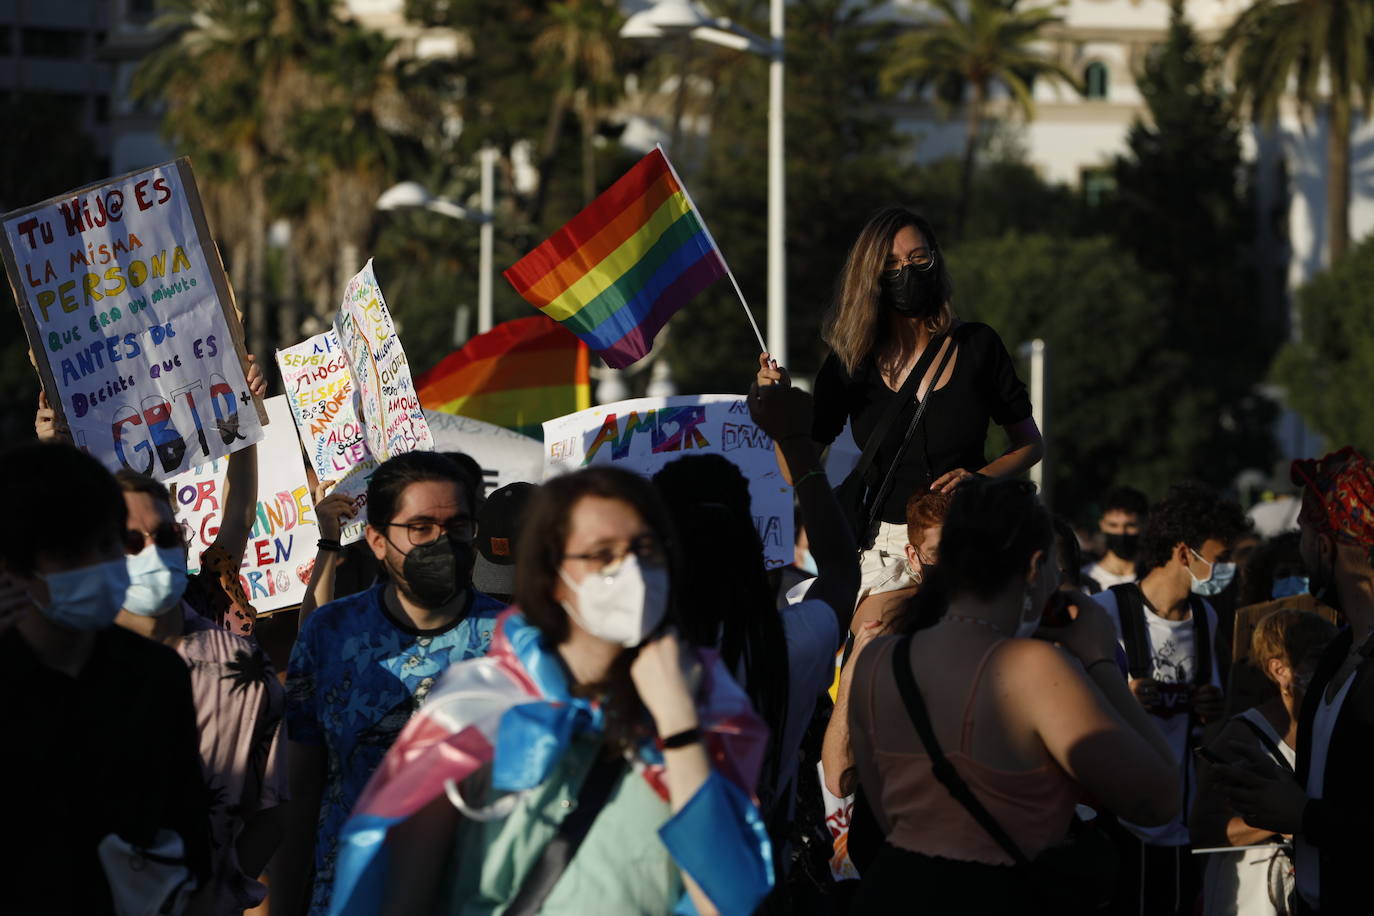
(682, 739)
(328, 544)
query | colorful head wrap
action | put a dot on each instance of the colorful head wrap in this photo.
(1341, 487)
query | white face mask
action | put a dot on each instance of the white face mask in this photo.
(86, 598)
(157, 580)
(621, 607)
(1216, 581)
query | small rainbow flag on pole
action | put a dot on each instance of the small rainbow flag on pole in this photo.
(618, 271)
(516, 375)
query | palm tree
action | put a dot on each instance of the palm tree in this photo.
(579, 45)
(1278, 42)
(967, 49)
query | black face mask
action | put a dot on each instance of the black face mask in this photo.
(1123, 545)
(913, 293)
(435, 573)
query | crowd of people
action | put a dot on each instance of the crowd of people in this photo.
(591, 696)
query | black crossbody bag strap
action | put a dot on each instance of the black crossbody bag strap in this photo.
(1130, 608)
(944, 770)
(553, 861)
(906, 440)
(894, 407)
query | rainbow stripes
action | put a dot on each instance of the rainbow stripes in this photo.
(516, 375)
(618, 271)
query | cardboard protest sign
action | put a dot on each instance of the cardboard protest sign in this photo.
(319, 391)
(131, 323)
(383, 390)
(276, 563)
(505, 455)
(644, 434)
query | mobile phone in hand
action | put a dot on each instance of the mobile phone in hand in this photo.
(1056, 611)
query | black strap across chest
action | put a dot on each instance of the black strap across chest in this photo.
(1130, 604)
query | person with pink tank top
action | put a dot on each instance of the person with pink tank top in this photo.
(1028, 725)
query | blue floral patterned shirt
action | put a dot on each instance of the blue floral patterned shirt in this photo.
(355, 677)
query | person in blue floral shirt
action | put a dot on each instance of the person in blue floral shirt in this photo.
(364, 663)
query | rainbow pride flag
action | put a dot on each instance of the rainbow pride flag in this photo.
(618, 271)
(516, 375)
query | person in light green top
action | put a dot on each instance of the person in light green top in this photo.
(607, 695)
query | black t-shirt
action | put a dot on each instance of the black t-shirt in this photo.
(984, 386)
(112, 750)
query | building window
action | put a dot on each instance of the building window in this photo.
(57, 43)
(1097, 184)
(1095, 80)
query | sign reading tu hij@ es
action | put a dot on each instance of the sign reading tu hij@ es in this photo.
(131, 323)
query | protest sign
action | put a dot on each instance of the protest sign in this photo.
(644, 434)
(383, 391)
(276, 563)
(319, 391)
(131, 323)
(505, 455)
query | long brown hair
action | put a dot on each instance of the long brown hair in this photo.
(852, 324)
(539, 555)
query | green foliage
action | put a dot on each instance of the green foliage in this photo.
(842, 163)
(1122, 406)
(1329, 371)
(1187, 160)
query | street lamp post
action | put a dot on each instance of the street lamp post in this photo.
(668, 18)
(411, 195)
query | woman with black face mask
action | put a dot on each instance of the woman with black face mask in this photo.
(891, 323)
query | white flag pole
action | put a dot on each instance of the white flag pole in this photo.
(723, 263)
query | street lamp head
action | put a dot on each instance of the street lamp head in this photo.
(665, 19)
(407, 195)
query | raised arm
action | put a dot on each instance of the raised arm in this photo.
(784, 413)
(241, 486)
(329, 514)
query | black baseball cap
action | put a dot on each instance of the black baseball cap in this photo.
(498, 527)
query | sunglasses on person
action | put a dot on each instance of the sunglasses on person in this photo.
(167, 535)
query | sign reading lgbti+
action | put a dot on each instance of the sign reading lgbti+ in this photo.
(644, 434)
(131, 322)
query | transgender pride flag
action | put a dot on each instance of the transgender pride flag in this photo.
(618, 271)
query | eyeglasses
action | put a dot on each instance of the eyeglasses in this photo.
(421, 533)
(608, 559)
(920, 260)
(166, 535)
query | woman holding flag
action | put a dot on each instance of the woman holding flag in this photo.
(917, 386)
(588, 726)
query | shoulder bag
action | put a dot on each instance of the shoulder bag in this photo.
(859, 500)
(1075, 877)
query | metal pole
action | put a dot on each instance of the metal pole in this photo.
(777, 257)
(484, 277)
(1038, 473)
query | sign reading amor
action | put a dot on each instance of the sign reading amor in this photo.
(281, 546)
(644, 434)
(319, 389)
(131, 323)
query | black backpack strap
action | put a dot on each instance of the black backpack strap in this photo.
(1202, 639)
(906, 440)
(944, 770)
(539, 881)
(1130, 609)
(894, 407)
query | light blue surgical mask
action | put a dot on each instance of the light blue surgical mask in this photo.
(808, 564)
(1289, 586)
(87, 598)
(157, 579)
(1216, 582)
